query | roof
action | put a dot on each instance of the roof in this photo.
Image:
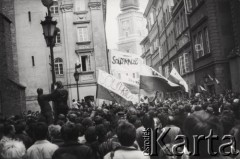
(17, 84)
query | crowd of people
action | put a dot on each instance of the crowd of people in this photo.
(113, 131)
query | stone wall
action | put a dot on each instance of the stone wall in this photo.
(12, 94)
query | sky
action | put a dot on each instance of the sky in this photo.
(113, 10)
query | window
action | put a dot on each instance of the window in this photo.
(160, 70)
(149, 61)
(181, 65)
(166, 71)
(155, 44)
(85, 63)
(80, 5)
(58, 38)
(54, 7)
(125, 28)
(83, 34)
(196, 3)
(207, 40)
(58, 64)
(201, 42)
(151, 18)
(189, 6)
(195, 44)
(160, 51)
(183, 20)
(33, 61)
(126, 33)
(29, 16)
(172, 65)
(134, 75)
(176, 27)
(149, 23)
(186, 62)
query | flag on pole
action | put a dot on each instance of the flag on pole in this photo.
(202, 88)
(176, 77)
(217, 81)
(210, 77)
(110, 86)
(151, 80)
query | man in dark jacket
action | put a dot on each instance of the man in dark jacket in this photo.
(71, 147)
(46, 110)
(59, 96)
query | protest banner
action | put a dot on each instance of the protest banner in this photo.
(126, 67)
(112, 84)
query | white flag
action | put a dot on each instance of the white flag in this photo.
(202, 88)
(176, 76)
(217, 81)
(210, 77)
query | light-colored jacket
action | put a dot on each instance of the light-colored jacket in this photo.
(42, 149)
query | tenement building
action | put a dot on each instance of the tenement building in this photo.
(195, 37)
(12, 93)
(81, 39)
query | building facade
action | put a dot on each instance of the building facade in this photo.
(168, 42)
(195, 37)
(12, 93)
(81, 39)
(234, 56)
(131, 25)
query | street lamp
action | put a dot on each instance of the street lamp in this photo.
(76, 76)
(49, 31)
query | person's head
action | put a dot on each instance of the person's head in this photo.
(202, 123)
(148, 121)
(69, 132)
(9, 130)
(73, 100)
(39, 91)
(98, 120)
(87, 122)
(59, 84)
(126, 133)
(20, 126)
(90, 134)
(61, 117)
(41, 131)
(72, 117)
(13, 150)
(54, 131)
(101, 131)
(80, 129)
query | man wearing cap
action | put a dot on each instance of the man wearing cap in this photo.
(59, 96)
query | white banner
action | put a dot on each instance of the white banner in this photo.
(113, 84)
(125, 66)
